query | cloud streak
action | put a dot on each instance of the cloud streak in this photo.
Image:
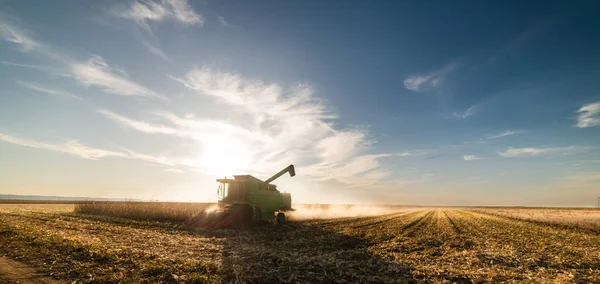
(71, 147)
(528, 152)
(504, 134)
(588, 115)
(471, 158)
(74, 148)
(96, 72)
(17, 36)
(432, 80)
(47, 90)
(156, 51)
(142, 12)
(462, 115)
(141, 125)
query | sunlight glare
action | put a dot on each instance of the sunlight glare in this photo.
(224, 155)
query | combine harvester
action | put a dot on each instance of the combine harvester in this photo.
(246, 200)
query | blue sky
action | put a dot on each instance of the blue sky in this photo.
(399, 102)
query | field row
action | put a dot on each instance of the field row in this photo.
(580, 218)
(411, 246)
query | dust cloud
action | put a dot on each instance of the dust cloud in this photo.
(330, 211)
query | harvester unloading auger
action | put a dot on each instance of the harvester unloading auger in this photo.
(246, 200)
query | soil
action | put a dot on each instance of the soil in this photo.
(12, 271)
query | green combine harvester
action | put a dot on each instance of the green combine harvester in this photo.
(246, 200)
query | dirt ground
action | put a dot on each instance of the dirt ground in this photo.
(16, 272)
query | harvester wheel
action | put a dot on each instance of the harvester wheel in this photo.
(257, 218)
(243, 215)
(280, 218)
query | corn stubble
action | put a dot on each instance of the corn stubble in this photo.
(411, 246)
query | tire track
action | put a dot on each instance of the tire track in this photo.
(413, 226)
(457, 230)
(380, 222)
(551, 224)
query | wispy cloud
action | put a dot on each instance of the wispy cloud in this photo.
(282, 124)
(71, 147)
(141, 125)
(504, 134)
(156, 51)
(17, 36)
(142, 12)
(432, 80)
(43, 89)
(46, 69)
(462, 115)
(74, 148)
(96, 72)
(20, 38)
(588, 115)
(224, 22)
(415, 153)
(526, 152)
(471, 158)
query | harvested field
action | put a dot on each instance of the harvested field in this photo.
(581, 218)
(419, 245)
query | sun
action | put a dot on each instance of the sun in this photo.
(224, 155)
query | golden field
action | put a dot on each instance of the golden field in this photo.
(411, 245)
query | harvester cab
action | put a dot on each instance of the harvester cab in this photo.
(245, 199)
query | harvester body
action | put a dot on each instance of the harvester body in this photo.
(246, 199)
(250, 191)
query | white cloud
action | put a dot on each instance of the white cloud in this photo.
(144, 11)
(46, 69)
(141, 125)
(503, 134)
(43, 89)
(525, 152)
(71, 147)
(25, 43)
(470, 158)
(17, 36)
(156, 51)
(96, 72)
(74, 148)
(462, 115)
(280, 124)
(141, 12)
(588, 115)
(430, 81)
(416, 153)
(224, 22)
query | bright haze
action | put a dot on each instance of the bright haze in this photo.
(397, 102)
